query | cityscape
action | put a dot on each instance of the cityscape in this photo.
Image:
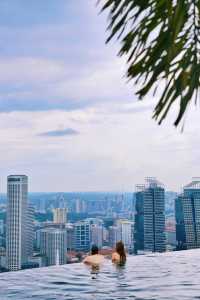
(99, 122)
(45, 229)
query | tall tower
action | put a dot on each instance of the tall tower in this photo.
(16, 238)
(187, 211)
(149, 230)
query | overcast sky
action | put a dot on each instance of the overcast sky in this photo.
(68, 118)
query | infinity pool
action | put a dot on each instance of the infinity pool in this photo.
(174, 275)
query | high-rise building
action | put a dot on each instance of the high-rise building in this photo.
(60, 215)
(30, 231)
(2, 227)
(82, 236)
(97, 235)
(53, 244)
(149, 228)
(16, 237)
(114, 235)
(126, 232)
(187, 211)
(80, 206)
(70, 237)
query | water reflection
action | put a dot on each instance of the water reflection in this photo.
(95, 269)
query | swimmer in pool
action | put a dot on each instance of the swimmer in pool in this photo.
(119, 256)
(95, 259)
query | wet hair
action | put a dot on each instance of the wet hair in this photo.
(94, 250)
(121, 251)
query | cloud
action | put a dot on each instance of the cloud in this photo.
(59, 133)
(49, 65)
(35, 84)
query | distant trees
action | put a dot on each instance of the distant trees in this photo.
(162, 42)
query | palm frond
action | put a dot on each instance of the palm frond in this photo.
(161, 40)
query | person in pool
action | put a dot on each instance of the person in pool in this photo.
(119, 256)
(95, 259)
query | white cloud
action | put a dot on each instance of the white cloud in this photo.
(113, 151)
(30, 70)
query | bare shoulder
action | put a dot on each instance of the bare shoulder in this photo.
(87, 259)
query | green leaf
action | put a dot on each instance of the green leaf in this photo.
(161, 40)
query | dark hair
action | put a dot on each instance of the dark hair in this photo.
(94, 250)
(121, 251)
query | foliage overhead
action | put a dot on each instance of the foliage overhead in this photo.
(161, 40)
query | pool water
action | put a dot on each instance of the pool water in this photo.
(173, 275)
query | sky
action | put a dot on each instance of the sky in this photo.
(68, 117)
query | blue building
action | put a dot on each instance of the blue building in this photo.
(82, 236)
(187, 211)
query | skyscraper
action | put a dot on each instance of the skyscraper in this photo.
(149, 229)
(97, 235)
(187, 211)
(16, 237)
(114, 235)
(53, 244)
(60, 215)
(126, 233)
(30, 231)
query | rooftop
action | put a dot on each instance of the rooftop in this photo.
(173, 275)
(195, 184)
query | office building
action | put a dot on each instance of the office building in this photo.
(17, 216)
(60, 215)
(126, 233)
(30, 231)
(82, 236)
(187, 212)
(114, 235)
(97, 235)
(53, 244)
(70, 237)
(149, 227)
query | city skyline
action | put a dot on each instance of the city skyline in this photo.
(58, 229)
(3, 189)
(68, 117)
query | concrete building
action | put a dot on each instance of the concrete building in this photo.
(60, 215)
(97, 235)
(30, 231)
(53, 244)
(17, 216)
(114, 235)
(187, 211)
(149, 228)
(70, 237)
(126, 233)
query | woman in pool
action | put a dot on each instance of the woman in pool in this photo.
(119, 256)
